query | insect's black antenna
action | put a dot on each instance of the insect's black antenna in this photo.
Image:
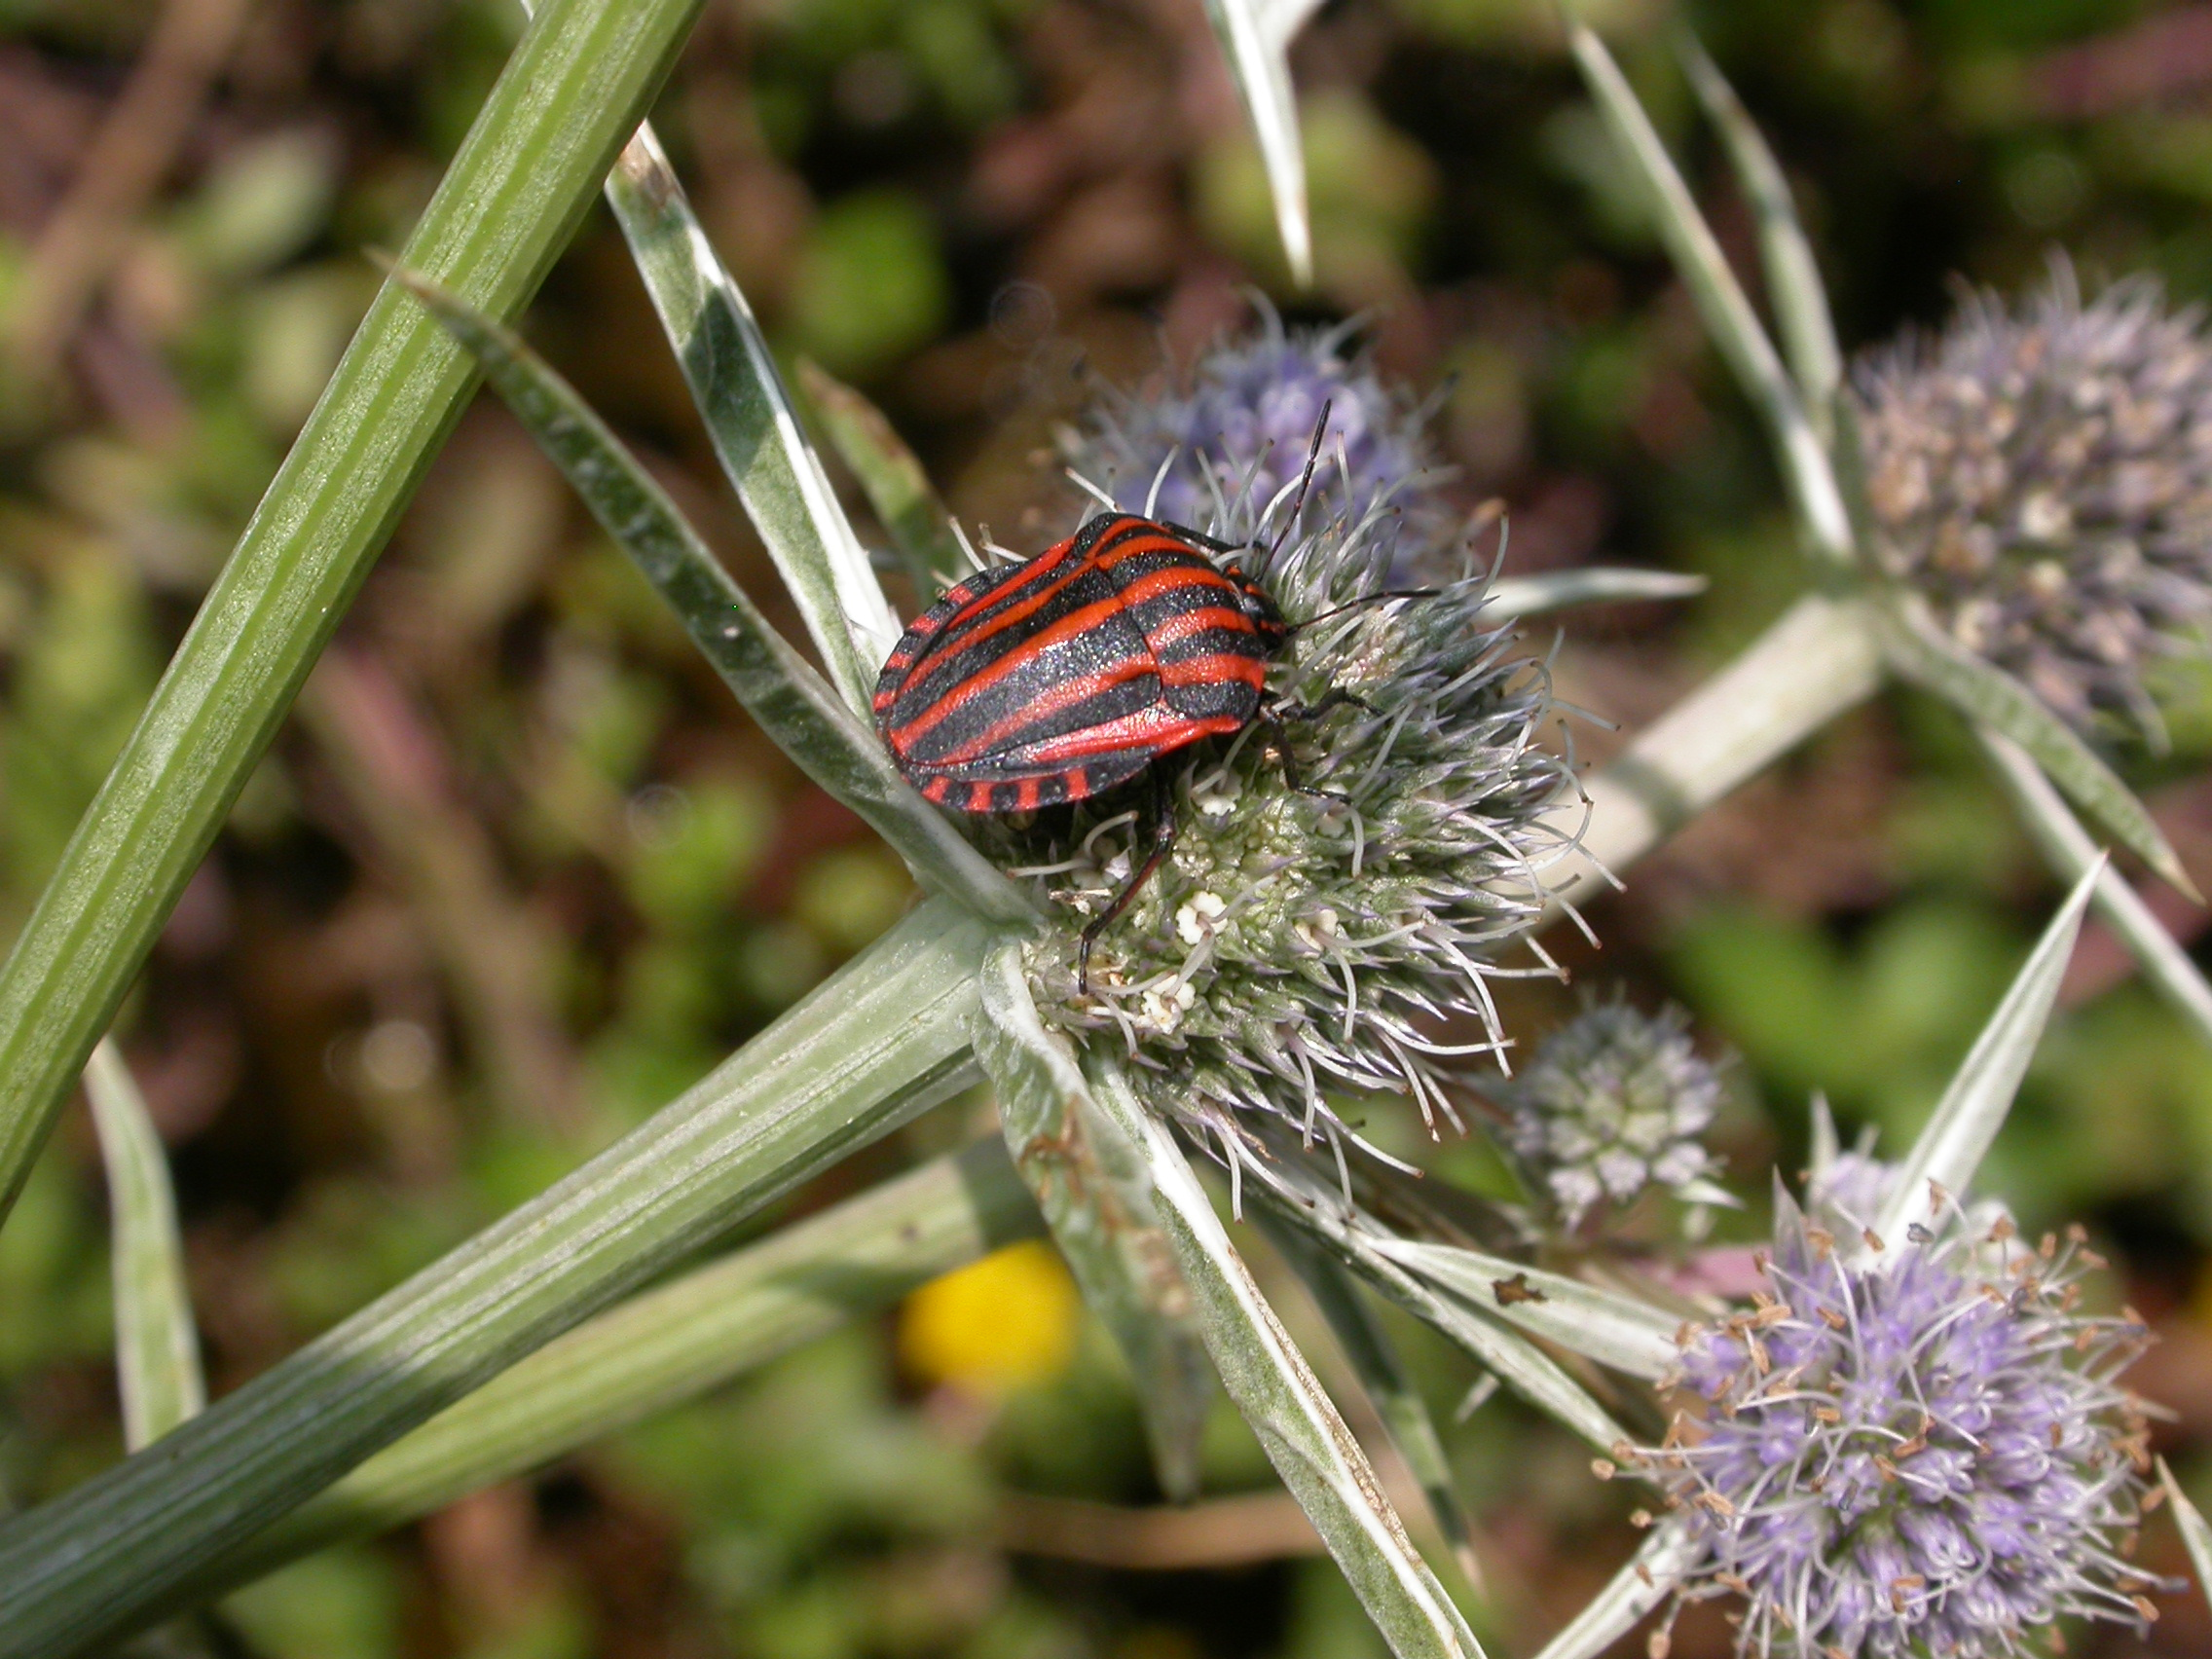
(1305, 482)
(1371, 599)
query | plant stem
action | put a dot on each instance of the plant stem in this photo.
(874, 1046)
(666, 1346)
(1820, 658)
(571, 95)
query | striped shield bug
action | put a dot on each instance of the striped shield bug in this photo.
(1054, 679)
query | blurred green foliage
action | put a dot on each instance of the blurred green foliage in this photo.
(957, 203)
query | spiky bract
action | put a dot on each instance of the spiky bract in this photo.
(2042, 475)
(1918, 1451)
(1613, 1102)
(1299, 945)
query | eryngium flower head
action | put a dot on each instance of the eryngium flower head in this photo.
(1305, 941)
(1921, 1452)
(2043, 477)
(1242, 427)
(1613, 1102)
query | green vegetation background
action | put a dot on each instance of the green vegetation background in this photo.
(517, 872)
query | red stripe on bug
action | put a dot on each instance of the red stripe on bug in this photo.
(1213, 670)
(1156, 731)
(1043, 706)
(1068, 627)
(1093, 562)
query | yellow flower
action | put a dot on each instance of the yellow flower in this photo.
(995, 1324)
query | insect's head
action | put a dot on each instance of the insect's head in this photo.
(1258, 606)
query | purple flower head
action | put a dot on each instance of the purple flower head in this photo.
(2042, 474)
(1240, 431)
(1925, 1452)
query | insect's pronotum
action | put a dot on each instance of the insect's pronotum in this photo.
(1057, 678)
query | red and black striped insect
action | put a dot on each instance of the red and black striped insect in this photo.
(1057, 678)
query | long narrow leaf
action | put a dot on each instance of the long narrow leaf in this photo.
(1985, 693)
(571, 93)
(1612, 1329)
(898, 489)
(749, 418)
(1647, 1579)
(1793, 275)
(1499, 1350)
(157, 1348)
(869, 1050)
(670, 1344)
(1255, 36)
(1974, 1107)
(2070, 853)
(1721, 302)
(1096, 1194)
(2196, 1532)
(777, 685)
(1397, 1401)
(1275, 1389)
(1594, 584)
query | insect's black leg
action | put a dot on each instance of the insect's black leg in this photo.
(1336, 698)
(1163, 827)
(1274, 718)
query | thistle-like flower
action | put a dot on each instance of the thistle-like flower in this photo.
(1921, 1449)
(1613, 1102)
(1240, 431)
(2043, 477)
(1318, 922)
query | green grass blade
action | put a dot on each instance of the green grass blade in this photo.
(1648, 1579)
(1374, 1359)
(1975, 1105)
(2070, 852)
(1091, 1183)
(1921, 653)
(1721, 301)
(670, 1344)
(869, 1050)
(777, 685)
(157, 1348)
(1255, 37)
(1512, 596)
(1276, 1390)
(750, 421)
(1516, 1361)
(571, 95)
(2196, 1533)
(1793, 275)
(898, 489)
(1603, 1325)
